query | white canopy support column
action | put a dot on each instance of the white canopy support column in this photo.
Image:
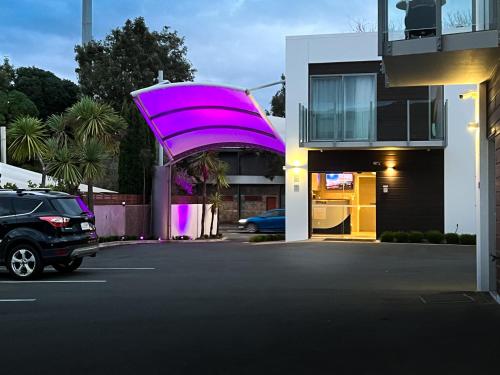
(161, 201)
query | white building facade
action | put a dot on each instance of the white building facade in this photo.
(318, 156)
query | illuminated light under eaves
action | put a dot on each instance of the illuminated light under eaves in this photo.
(473, 126)
(191, 117)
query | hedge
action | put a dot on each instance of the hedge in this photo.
(267, 238)
(432, 236)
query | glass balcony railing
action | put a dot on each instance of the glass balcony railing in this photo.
(400, 121)
(414, 19)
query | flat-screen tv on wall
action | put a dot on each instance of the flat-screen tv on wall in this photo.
(339, 181)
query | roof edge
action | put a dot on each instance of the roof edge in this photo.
(165, 85)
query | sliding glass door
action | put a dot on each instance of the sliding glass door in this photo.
(343, 107)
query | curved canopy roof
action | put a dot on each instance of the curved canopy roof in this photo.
(192, 117)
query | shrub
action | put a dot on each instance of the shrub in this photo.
(434, 236)
(415, 236)
(401, 237)
(267, 238)
(387, 237)
(452, 238)
(467, 239)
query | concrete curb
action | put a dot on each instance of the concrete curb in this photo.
(104, 245)
(266, 243)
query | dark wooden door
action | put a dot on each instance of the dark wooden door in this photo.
(271, 203)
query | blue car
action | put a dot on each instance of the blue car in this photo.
(269, 221)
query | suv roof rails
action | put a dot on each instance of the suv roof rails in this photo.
(20, 191)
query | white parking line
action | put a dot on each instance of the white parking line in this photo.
(52, 281)
(18, 300)
(118, 268)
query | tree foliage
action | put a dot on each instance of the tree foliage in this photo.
(14, 104)
(128, 59)
(278, 101)
(7, 75)
(51, 94)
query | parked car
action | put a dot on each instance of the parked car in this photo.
(269, 221)
(39, 228)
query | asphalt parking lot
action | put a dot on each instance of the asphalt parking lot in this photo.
(236, 308)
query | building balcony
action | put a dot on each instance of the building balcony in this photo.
(394, 124)
(458, 38)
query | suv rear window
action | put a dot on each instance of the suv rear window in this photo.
(26, 205)
(71, 206)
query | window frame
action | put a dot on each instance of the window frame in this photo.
(372, 134)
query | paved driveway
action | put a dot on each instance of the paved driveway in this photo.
(234, 308)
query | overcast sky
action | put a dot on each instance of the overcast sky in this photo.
(240, 42)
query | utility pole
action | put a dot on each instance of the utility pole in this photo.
(86, 21)
(160, 147)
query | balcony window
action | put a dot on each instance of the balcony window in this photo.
(414, 19)
(343, 107)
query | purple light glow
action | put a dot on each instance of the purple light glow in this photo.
(188, 117)
(183, 218)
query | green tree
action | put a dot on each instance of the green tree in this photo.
(139, 140)
(27, 141)
(7, 75)
(97, 129)
(92, 156)
(14, 104)
(216, 201)
(202, 168)
(51, 94)
(126, 60)
(58, 125)
(220, 180)
(92, 119)
(64, 168)
(278, 101)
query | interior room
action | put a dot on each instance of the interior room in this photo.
(344, 205)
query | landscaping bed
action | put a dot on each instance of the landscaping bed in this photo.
(432, 236)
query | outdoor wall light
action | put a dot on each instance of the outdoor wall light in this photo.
(473, 126)
(472, 94)
(124, 203)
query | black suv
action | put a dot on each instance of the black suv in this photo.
(40, 228)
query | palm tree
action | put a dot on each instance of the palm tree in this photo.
(58, 126)
(216, 202)
(91, 158)
(202, 167)
(92, 119)
(97, 129)
(27, 141)
(64, 167)
(221, 182)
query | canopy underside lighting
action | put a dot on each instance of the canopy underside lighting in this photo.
(190, 117)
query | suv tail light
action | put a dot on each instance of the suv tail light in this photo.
(56, 221)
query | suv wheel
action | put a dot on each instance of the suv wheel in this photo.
(24, 262)
(252, 228)
(68, 267)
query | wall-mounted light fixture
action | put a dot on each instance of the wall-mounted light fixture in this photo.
(473, 126)
(390, 168)
(471, 94)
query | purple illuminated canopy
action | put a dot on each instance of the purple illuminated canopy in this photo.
(193, 117)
